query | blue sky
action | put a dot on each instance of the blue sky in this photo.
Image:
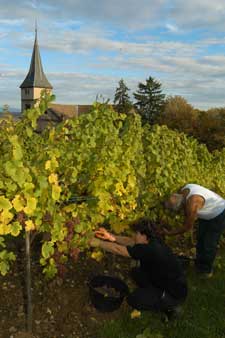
(87, 46)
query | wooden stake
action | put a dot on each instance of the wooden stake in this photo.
(28, 282)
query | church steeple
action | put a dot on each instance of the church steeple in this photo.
(36, 76)
(35, 80)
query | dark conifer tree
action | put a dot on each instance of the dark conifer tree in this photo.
(149, 100)
(121, 99)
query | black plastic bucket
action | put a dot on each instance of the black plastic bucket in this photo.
(107, 303)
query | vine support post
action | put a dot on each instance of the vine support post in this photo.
(28, 282)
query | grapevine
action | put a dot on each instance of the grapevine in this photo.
(101, 167)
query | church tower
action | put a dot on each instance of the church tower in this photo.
(35, 80)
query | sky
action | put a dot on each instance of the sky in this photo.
(87, 46)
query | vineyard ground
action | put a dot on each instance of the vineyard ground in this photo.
(61, 308)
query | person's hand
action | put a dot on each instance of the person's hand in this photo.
(102, 233)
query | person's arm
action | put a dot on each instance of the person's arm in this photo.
(102, 233)
(110, 247)
(193, 204)
(124, 240)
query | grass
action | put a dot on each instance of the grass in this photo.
(203, 316)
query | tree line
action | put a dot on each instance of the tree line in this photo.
(155, 107)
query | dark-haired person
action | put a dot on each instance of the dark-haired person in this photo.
(205, 205)
(160, 279)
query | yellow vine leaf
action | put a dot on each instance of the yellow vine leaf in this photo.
(74, 213)
(13, 140)
(53, 178)
(6, 217)
(29, 131)
(97, 255)
(47, 165)
(18, 203)
(69, 208)
(51, 164)
(62, 247)
(135, 314)
(17, 153)
(31, 205)
(119, 227)
(5, 229)
(56, 190)
(5, 204)
(29, 225)
(120, 189)
(16, 227)
(29, 186)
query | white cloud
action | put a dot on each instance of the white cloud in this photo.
(204, 14)
(172, 28)
(87, 40)
(12, 22)
(128, 13)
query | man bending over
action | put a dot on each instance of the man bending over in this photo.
(205, 205)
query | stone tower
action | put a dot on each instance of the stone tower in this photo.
(35, 80)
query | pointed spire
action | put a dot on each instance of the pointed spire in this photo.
(35, 28)
(36, 76)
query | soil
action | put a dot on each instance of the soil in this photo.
(61, 307)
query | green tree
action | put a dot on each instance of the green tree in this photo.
(210, 128)
(121, 99)
(178, 114)
(149, 100)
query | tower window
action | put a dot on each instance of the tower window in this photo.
(27, 106)
(27, 92)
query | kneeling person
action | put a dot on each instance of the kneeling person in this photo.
(160, 279)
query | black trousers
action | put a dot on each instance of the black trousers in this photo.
(149, 297)
(208, 235)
